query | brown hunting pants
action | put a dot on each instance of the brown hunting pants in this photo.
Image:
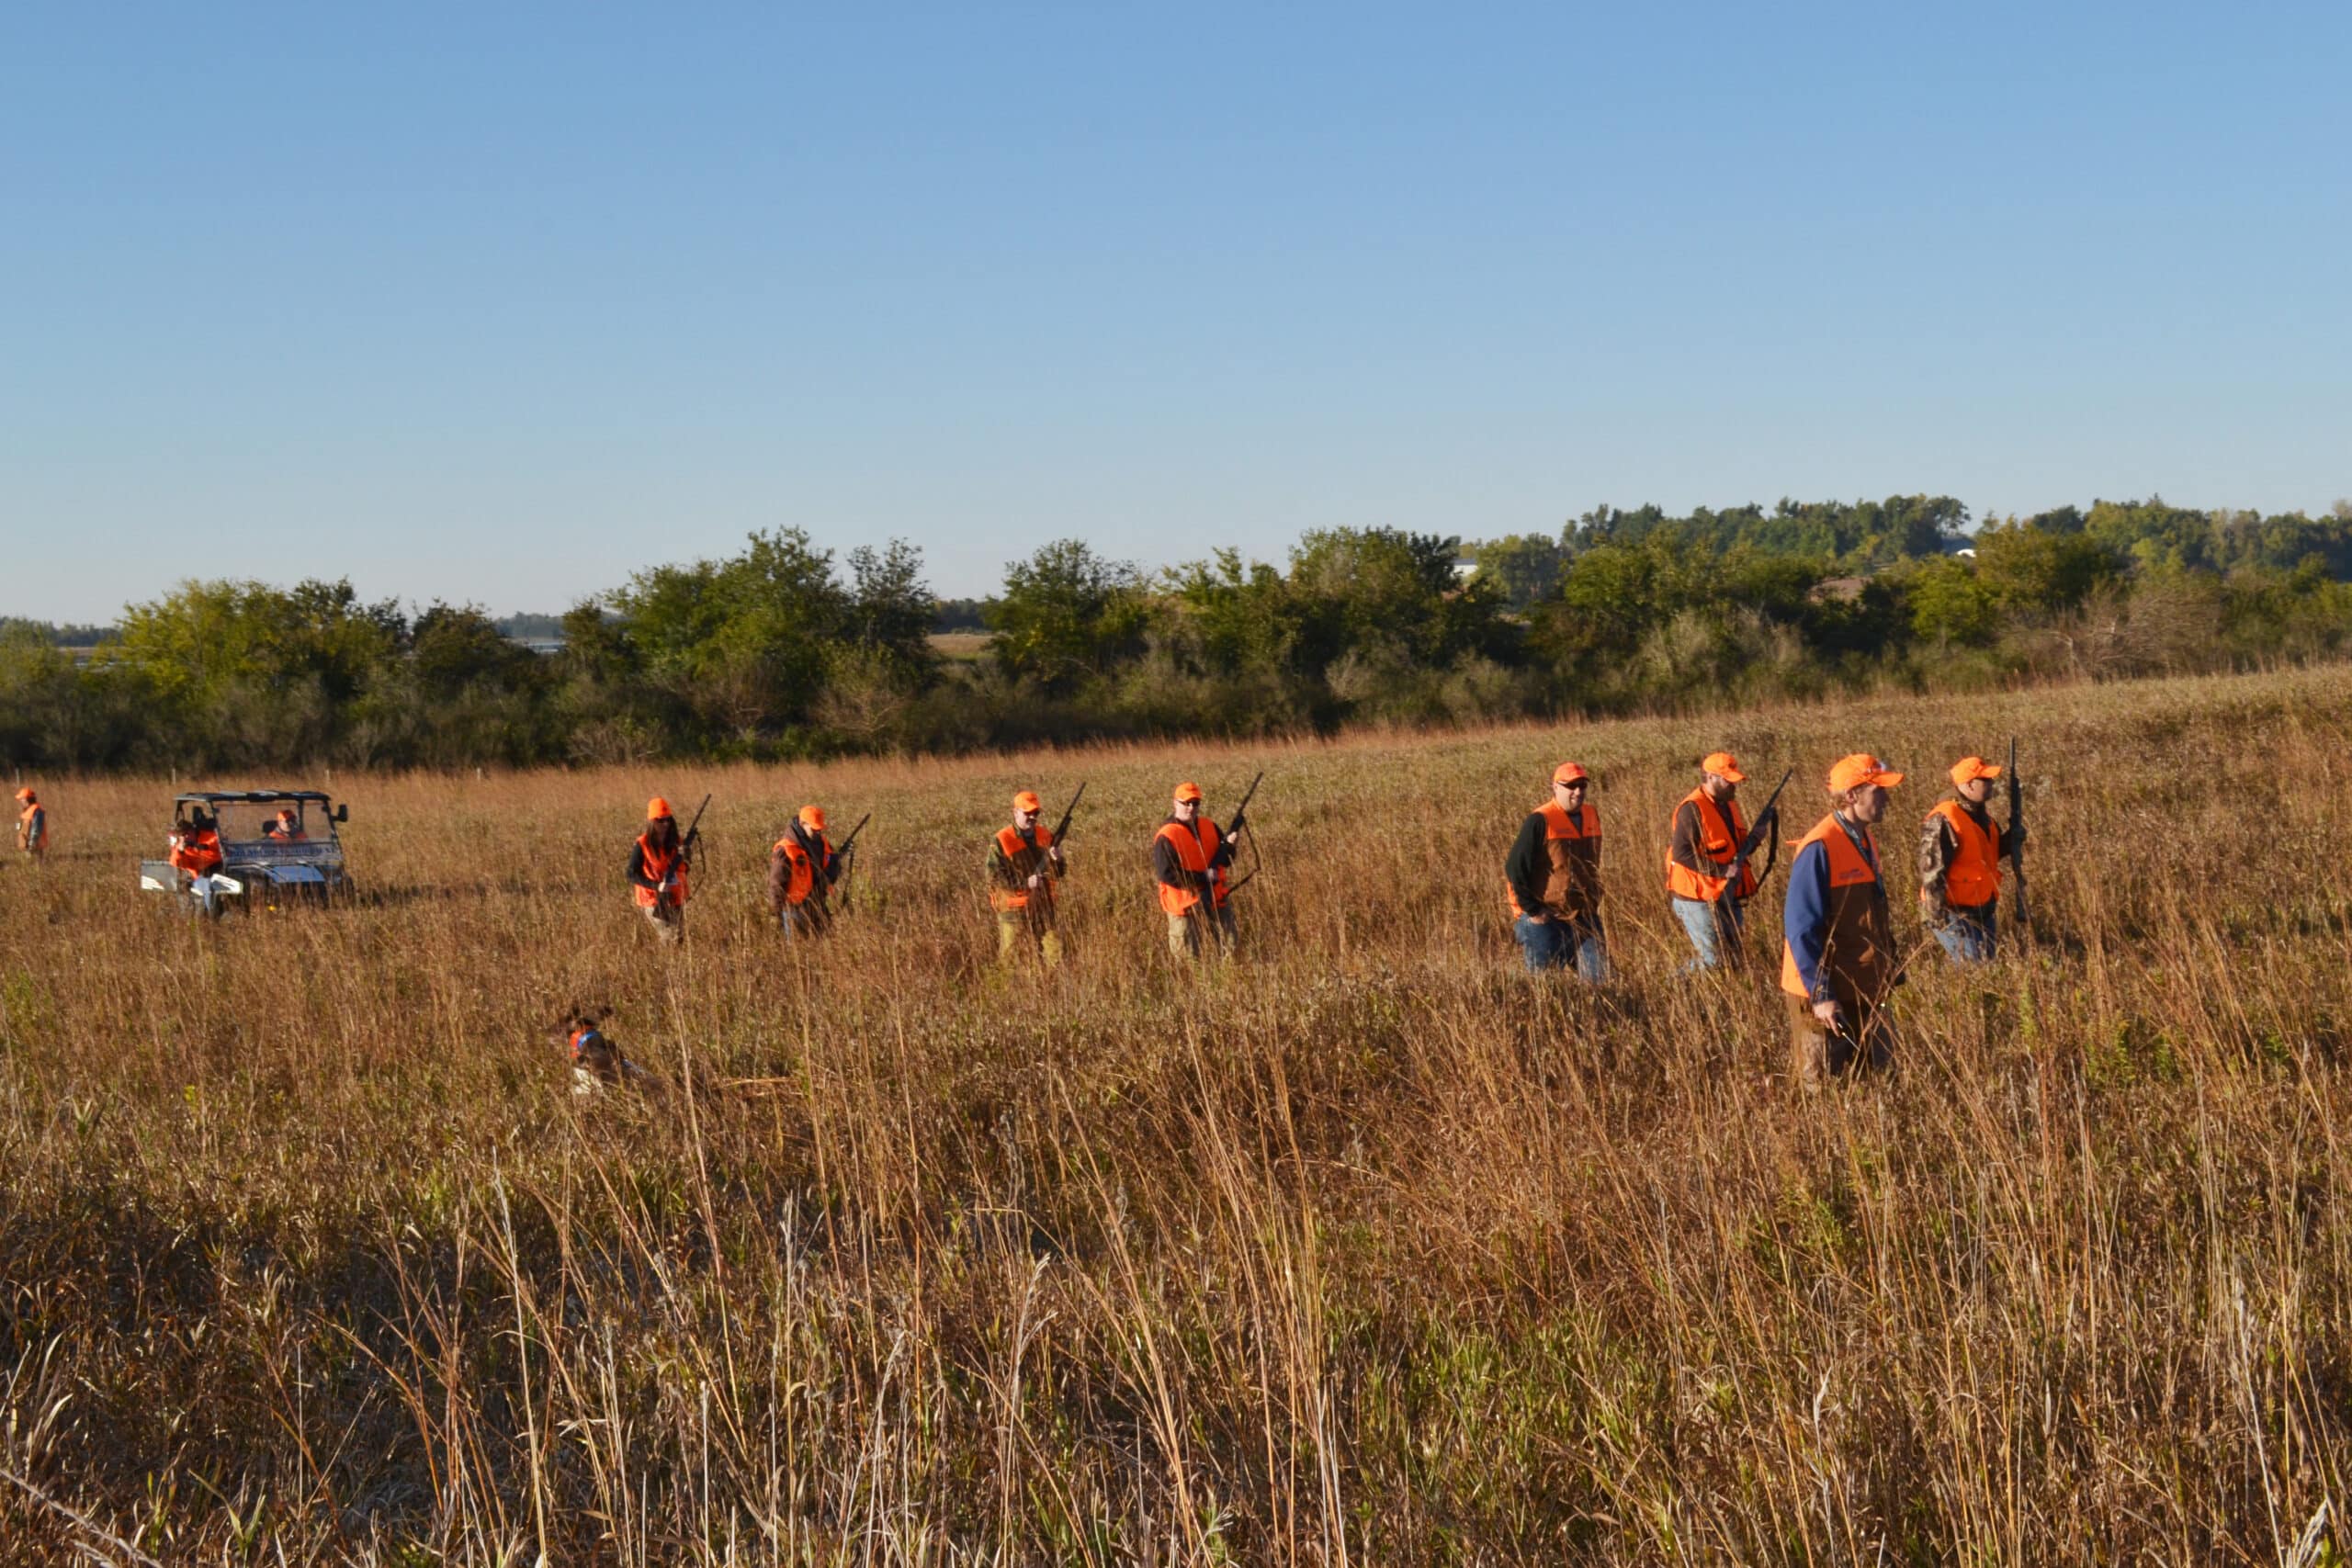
(1866, 1043)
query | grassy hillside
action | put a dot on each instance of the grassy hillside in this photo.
(1369, 1249)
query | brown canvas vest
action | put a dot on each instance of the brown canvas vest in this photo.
(1858, 956)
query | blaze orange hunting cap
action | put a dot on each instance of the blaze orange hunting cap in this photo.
(27, 796)
(1968, 768)
(656, 809)
(1027, 801)
(1861, 768)
(813, 818)
(1722, 764)
(1569, 773)
(1188, 790)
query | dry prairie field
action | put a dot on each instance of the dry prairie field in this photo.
(1368, 1248)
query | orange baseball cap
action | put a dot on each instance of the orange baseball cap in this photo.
(1569, 773)
(1722, 764)
(1861, 768)
(1027, 801)
(1968, 768)
(27, 796)
(1188, 790)
(813, 818)
(656, 809)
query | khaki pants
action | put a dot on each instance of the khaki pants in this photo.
(1867, 1043)
(1187, 933)
(1017, 929)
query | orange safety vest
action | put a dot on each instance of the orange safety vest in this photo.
(659, 864)
(1557, 826)
(1973, 878)
(1196, 848)
(1717, 841)
(200, 853)
(1847, 868)
(804, 874)
(1010, 844)
(32, 826)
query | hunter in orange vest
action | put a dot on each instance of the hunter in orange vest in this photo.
(1839, 964)
(1707, 893)
(1190, 859)
(1552, 878)
(1960, 864)
(32, 825)
(657, 871)
(195, 852)
(803, 869)
(1023, 864)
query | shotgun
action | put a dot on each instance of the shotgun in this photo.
(2017, 849)
(840, 856)
(1233, 831)
(1757, 835)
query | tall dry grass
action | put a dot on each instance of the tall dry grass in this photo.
(1369, 1249)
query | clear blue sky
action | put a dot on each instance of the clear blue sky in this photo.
(498, 304)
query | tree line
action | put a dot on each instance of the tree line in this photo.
(783, 651)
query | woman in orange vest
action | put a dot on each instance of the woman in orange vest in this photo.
(802, 872)
(657, 871)
(1190, 858)
(1023, 864)
(1553, 879)
(195, 850)
(1960, 864)
(1838, 959)
(32, 825)
(1701, 843)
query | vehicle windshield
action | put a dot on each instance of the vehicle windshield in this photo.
(246, 822)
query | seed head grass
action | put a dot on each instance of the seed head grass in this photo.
(1368, 1247)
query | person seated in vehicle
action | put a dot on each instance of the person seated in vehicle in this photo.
(195, 852)
(285, 826)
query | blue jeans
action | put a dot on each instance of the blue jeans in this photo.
(803, 923)
(203, 895)
(1700, 922)
(1555, 944)
(1968, 934)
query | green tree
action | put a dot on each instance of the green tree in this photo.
(452, 650)
(1368, 591)
(2032, 568)
(740, 644)
(890, 610)
(1951, 605)
(1523, 567)
(1067, 613)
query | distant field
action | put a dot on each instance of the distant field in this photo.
(962, 644)
(1368, 1249)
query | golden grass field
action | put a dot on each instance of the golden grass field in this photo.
(1368, 1249)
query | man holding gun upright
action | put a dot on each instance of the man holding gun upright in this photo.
(1190, 858)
